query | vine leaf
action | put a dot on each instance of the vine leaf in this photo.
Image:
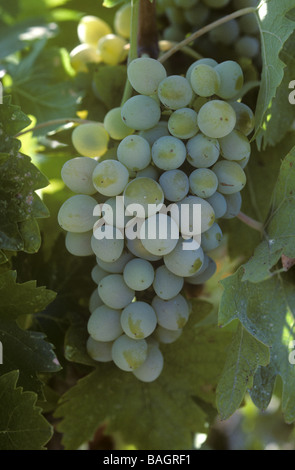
(22, 425)
(275, 29)
(170, 408)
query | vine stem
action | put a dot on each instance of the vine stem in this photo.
(204, 30)
(250, 222)
(54, 122)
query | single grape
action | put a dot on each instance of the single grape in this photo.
(159, 234)
(97, 274)
(166, 284)
(144, 192)
(218, 202)
(168, 153)
(175, 15)
(114, 292)
(174, 33)
(90, 140)
(216, 119)
(141, 112)
(76, 214)
(149, 172)
(138, 320)
(172, 314)
(151, 135)
(79, 244)
(138, 250)
(175, 92)
(100, 351)
(205, 80)
(249, 24)
(122, 21)
(183, 123)
(175, 185)
(128, 354)
(94, 301)
(104, 324)
(212, 238)
(138, 274)
(231, 79)
(204, 276)
(115, 126)
(203, 182)
(112, 49)
(134, 152)
(197, 16)
(185, 262)
(188, 220)
(152, 367)
(91, 29)
(166, 336)
(110, 177)
(206, 61)
(145, 75)
(235, 146)
(247, 46)
(109, 248)
(83, 55)
(234, 204)
(225, 34)
(245, 117)
(77, 175)
(231, 177)
(115, 267)
(202, 151)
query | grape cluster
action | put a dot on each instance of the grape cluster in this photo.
(180, 140)
(98, 43)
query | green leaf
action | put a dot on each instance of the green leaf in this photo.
(266, 310)
(167, 407)
(109, 82)
(22, 427)
(275, 29)
(244, 356)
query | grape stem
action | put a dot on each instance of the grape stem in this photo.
(54, 122)
(250, 222)
(204, 30)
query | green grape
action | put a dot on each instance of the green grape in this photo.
(104, 324)
(110, 177)
(144, 192)
(90, 140)
(234, 204)
(112, 49)
(100, 351)
(134, 152)
(173, 33)
(129, 354)
(216, 119)
(166, 284)
(172, 314)
(249, 24)
(91, 29)
(185, 3)
(204, 80)
(138, 250)
(115, 267)
(148, 172)
(216, 3)
(122, 21)
(202, 152)
(231, 177)
(235, 146)
(243, 163)
(83, 55)
(77, 175)
(166, 336)
(231, 79)
(204, 276)
(198, 102)
(212, 238)
(94, 301)
(141, 112)
(138, 274)
(183, 123)
(247, 46)
(145, 75)
(115, 126)
(107, 244)
(218, 202)
(152, 367)
(168, 153)
(153, 134)
(113, 212)
(185, 262)
(225, 34)
(175, 185)
(79, 244)
(159, 234)
(76, 214)
(175, 15)
(138, 320)
(186, 209)
(245, 117)
(175, 92)
(114, 292)
(203, 182)
(206, 61)
(97, 274)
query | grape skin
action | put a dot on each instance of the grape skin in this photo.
(175, 92)
(133, 115)
(166, 284)
(231, 177)
(76, 214)
(114, 125)
(90, 140)
(216, 119)
(110, 177)
(168, 153)
(91, 29)
(100, 351)
(152, 367)
(203, 182)
(138, 274)
(79, 244)
(104, 324)
(138, 320)
(114, 292)
(77, 175)
(109, 248)
(182, 262)
(202, 152)
(145, 75)
(134, 152)
(175, 185)
(172, 314)
(128, 354)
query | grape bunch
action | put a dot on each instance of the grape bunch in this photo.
(98, 43)
(181, 141)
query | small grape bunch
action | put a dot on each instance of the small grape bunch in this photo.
(180, 142)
